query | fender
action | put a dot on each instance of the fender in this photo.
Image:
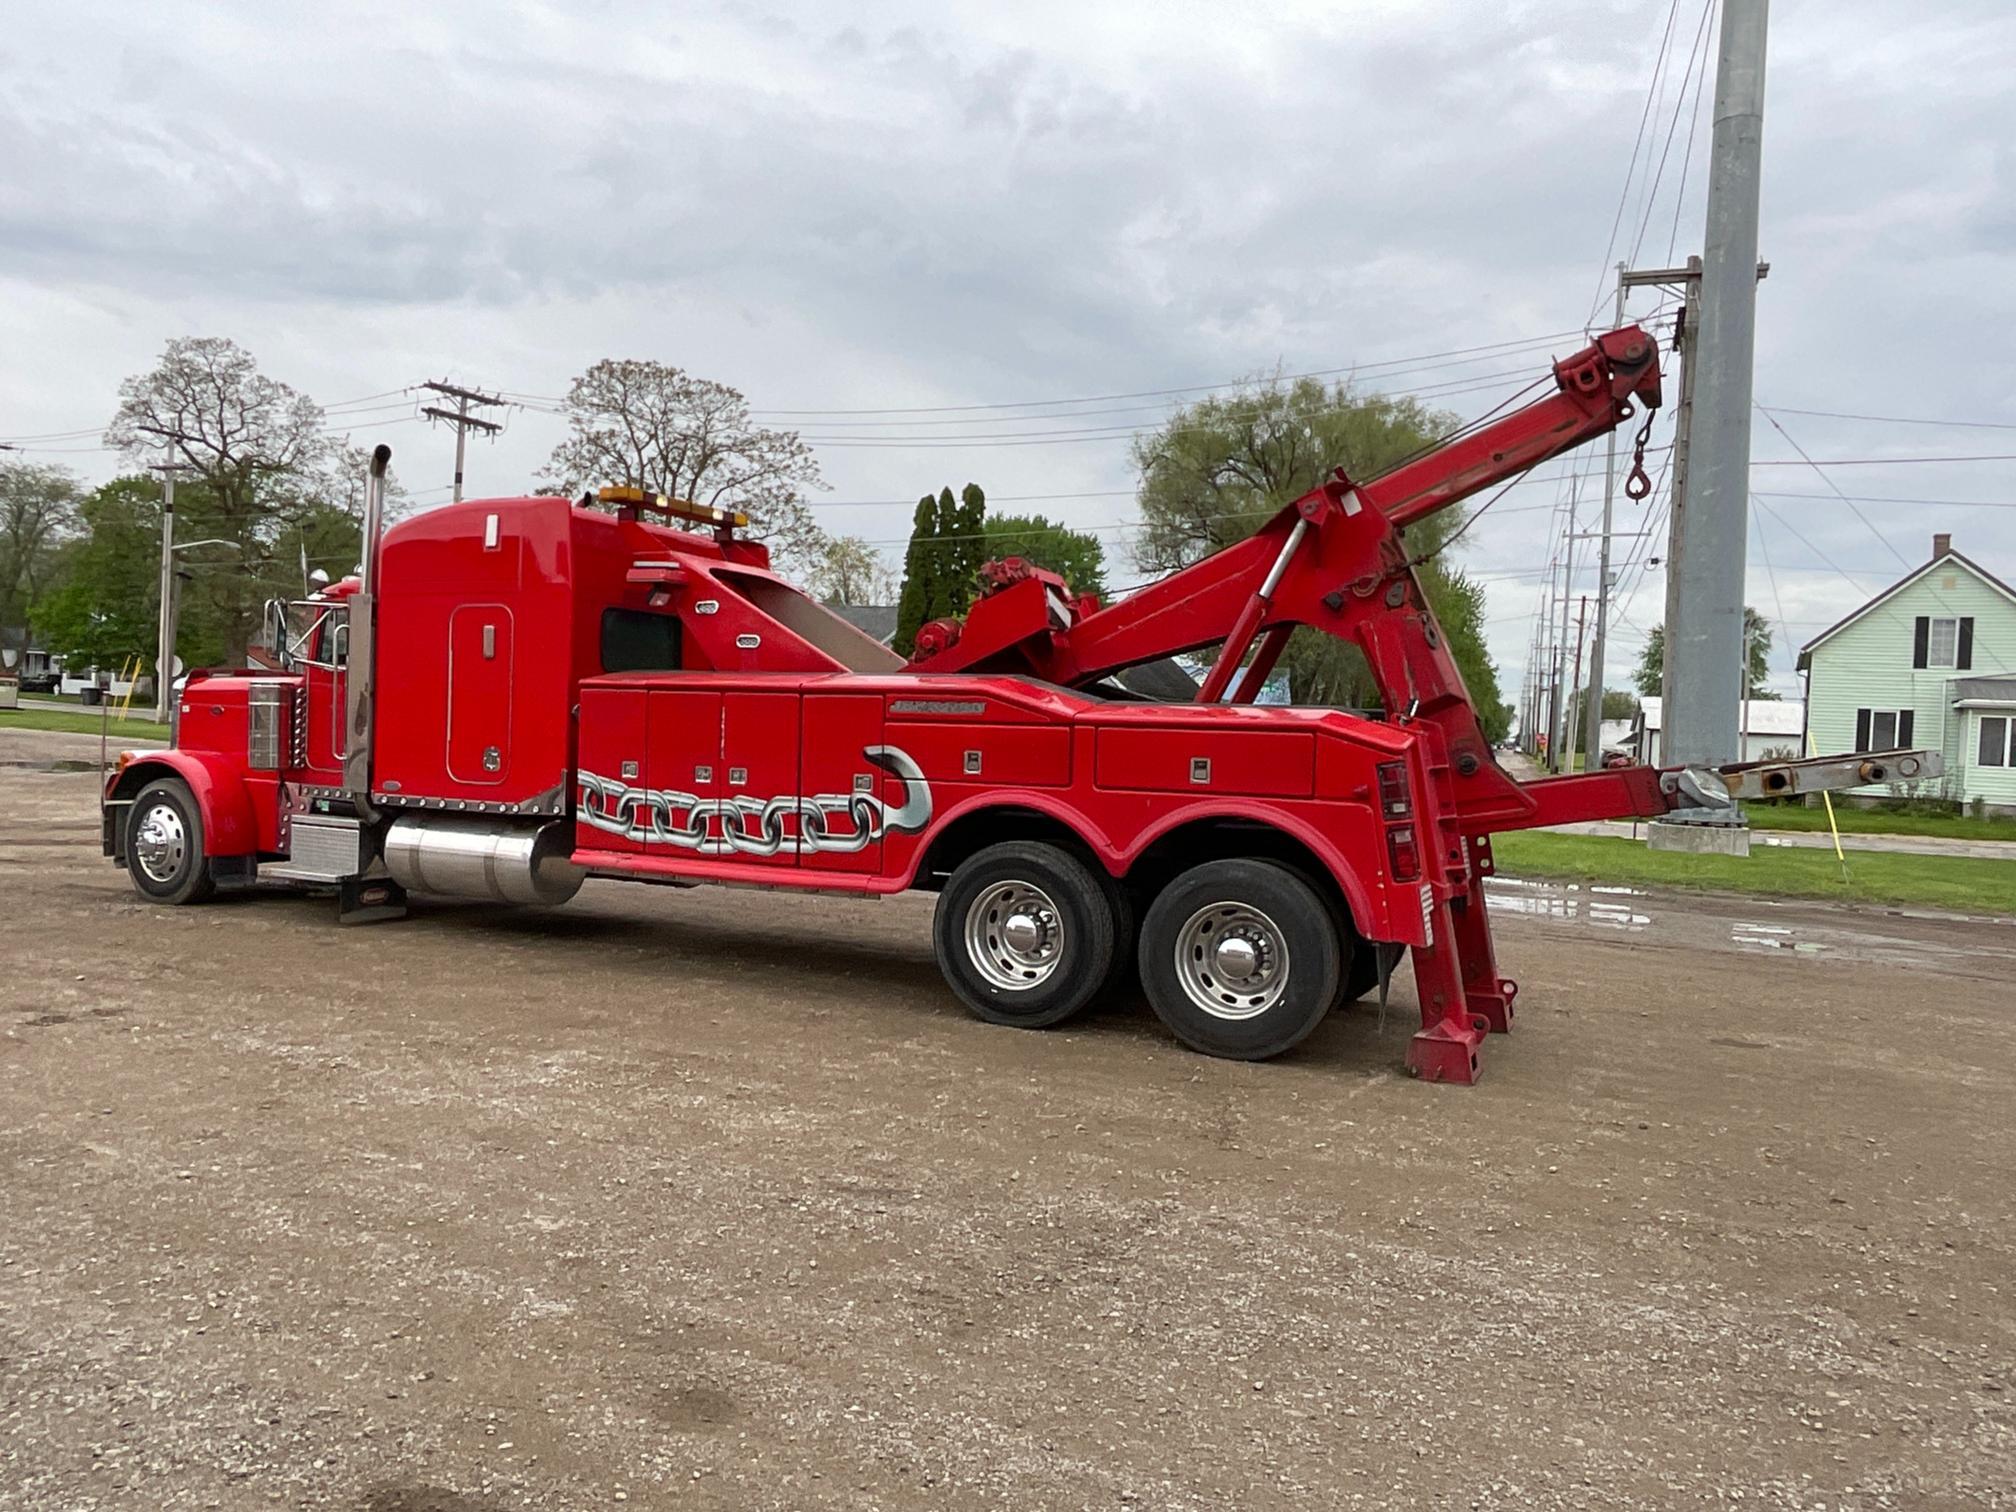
(1376, 918)
(216, 782)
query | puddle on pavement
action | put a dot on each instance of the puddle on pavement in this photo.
(1604, 906)
(1624, 908)
(1772, 937)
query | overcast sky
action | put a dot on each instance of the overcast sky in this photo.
(845, 207)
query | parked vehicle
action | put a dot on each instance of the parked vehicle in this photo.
(583, 692)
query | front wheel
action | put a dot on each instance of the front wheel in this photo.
(1025, 934)
(164, 844)
(1240, 958)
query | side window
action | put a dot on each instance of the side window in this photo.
(634, 641)
(1942, 646)
(1995, 745)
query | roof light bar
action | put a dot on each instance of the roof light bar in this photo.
(684, 509)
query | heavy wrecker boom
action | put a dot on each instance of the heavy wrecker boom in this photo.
(1336, 561)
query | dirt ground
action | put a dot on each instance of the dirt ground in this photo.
(717, 1199)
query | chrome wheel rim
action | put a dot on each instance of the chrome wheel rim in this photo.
(1232, 960)
(1014, 936)
(160, 842)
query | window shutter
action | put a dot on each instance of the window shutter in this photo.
(1921, 639)
(1904, 717)
(1861, 729)
(1966, 657)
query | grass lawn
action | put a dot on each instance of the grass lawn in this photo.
(1861, 821)
(1962, 883)
(81, 722)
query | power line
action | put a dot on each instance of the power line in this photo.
(1784, 409)
(1854, 508)
(1501, 348)
(1694, 57)
(1637, 146)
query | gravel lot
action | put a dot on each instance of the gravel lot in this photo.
(715, 1199)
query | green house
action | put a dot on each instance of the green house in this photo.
(1930, 662)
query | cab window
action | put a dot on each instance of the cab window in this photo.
(634, 641)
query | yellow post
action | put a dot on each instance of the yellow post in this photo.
(1827, 799)
(129, 673)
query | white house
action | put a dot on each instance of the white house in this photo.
(1930, 662)
(1771, 727)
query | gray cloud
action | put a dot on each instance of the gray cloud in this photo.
(948, 204)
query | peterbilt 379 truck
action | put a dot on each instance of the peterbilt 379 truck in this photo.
(516, 694)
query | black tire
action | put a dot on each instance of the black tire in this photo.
(1361, 975)
(1121, 978)
(1276, 913)
(1060, 968)
(164, 844)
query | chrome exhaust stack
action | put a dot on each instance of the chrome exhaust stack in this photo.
(361, 658)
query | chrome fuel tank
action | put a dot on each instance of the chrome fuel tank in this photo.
(466, 857)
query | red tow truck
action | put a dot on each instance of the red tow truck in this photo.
(517, 694)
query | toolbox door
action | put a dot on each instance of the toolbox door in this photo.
(845, 794)
(759, 777)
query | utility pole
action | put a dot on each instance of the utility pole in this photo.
(1704, 624)
(1592, 713)
(164, 649)
(460, 417)
(1559, 725)
(1575, 674)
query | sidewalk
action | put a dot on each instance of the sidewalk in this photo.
(1913, 845)
(1522, 768)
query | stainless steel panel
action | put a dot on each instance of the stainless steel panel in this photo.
(268, 726)
(321, 848)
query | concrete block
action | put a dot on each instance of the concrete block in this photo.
(1701, 839)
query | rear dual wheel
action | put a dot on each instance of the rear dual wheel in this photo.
(1241, 958)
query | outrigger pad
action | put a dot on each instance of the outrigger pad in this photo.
(369, 900)
(1447, 1052)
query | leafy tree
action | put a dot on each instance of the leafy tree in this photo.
(107, 605)
(941, 565)
(651, 425)
(968, 550)
(1650, 674)
(850, 571)
(260, 471)
(920, 576)
(1219, 468)
(1075, 555)
(38, 512)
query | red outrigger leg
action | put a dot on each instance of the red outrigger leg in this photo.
(1462, 996)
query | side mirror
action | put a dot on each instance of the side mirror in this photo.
(276, 630)
(339, 644)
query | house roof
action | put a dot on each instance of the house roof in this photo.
(878, 620)
(1984, 690)
(1762, 716)
(1806, 651)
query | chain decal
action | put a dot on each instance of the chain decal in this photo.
(832, 823)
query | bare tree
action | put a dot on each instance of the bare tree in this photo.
(263, 472)
(38, 511)
(651, 425)
(850, 571)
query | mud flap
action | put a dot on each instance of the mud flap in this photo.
(369, 900)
